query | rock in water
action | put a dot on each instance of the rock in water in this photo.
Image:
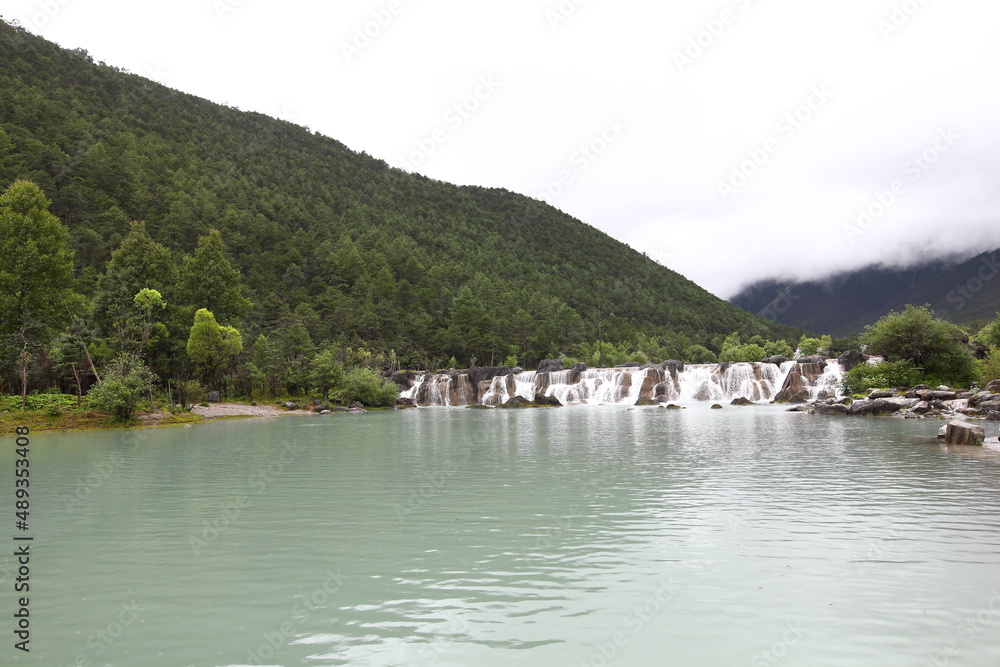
(716, 407)
(964, 433)
(878, 406)
(742, 400)
(830, 409)
(880, 393)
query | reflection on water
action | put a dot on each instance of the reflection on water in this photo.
(577, 536)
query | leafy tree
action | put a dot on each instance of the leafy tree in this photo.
(699, 354)
(990, 334)
(809, 346)
(36, 265)
(139, 264)
(326, 371)
(211, 346)
(885, 375)
(990, 368)
(121, 389)
(932, 344)
(780, 347)
(208, 280)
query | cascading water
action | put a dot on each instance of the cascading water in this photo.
(758, 382)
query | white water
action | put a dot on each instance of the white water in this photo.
(698, 382)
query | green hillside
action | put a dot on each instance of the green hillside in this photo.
(324, 240)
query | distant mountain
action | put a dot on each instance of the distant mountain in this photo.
(843, 304)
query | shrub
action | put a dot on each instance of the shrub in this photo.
(49, 402)
(883, 376)
(366, 387)
(990, 369)
(124, 384)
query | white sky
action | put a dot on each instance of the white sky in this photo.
(563, 73)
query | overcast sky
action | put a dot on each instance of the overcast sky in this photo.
(731, 140)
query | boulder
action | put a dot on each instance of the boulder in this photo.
(994, 416)
(831, 409)
(406, 403)
(777, 360)
(851, 359)
(799, 408)
(814, 359)
(579, 368)
(322, 407)
(519, 402)
(993, 386)
(292, 405)
(478, 406)
(878, 406)
(982, 397)
(673, 366)
(797, 383)
(921, 408)
(631, 364)
(742, 400)
(404, 379)
(988, 406)
(550, 365)
(671, 406)
(964, 433)
(943, 431)
(356, 405)
(645, 402)
(547, 400)
(880, 393)
(940, 395)
(716, 407)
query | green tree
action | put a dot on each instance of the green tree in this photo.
(990, 334)
(364, 386)
(699, 354)
(140, 263)
(932, 344)
(326, 371)
(809, 346)
(211, 346)
(208, 280)
(36, 266)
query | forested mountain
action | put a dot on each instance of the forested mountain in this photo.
(325, 244)
(958, 291)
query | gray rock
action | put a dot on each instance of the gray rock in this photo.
(964, 433)
(777, 360)
(742, 400)
(994, 416)
(814, 359)
(880, 393)
(831, 409)
(988, 406)
(878, 406)
(292, 405)
(921, 408)
(550, 365)
(993, 386)
(943, 431)
(716, 407)
(852, 358)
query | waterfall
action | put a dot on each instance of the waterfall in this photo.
(758, 382)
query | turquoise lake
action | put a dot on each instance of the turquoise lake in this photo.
(588, 535)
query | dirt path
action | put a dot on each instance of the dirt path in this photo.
(238, 409)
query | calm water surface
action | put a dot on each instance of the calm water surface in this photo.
(577, 536)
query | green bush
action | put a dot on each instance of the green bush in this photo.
(990, 368)
(366, 387)
(51, 401)
(125, 383)
(883, 376)
(699, 354)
